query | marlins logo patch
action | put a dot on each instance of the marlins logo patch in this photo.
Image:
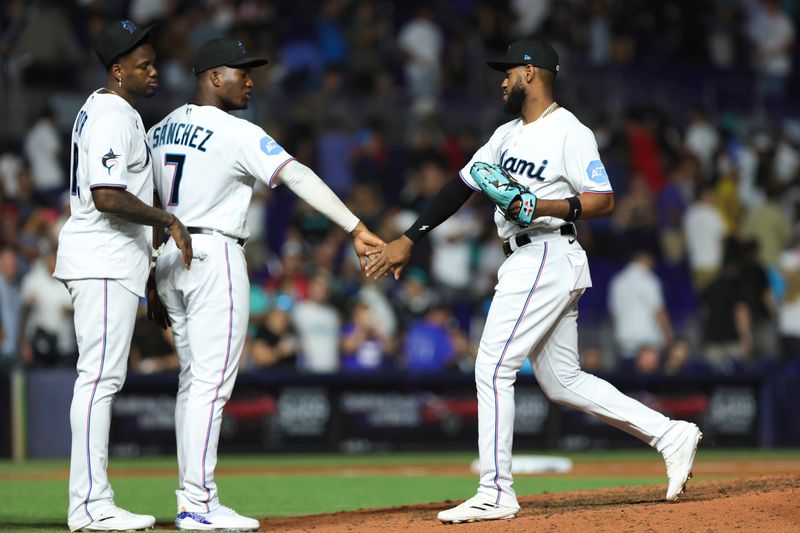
(110, 160)
(128, 26)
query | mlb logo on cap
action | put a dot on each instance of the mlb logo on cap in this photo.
(533, 52)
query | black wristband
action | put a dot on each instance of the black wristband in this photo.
(575, 209)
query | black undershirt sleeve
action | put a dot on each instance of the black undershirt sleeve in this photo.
(441, 207)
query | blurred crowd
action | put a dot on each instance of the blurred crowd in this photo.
(697, 271)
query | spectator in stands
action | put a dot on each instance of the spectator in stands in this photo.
(45, 45)
(636, 304)
(11, 165)
(646, 158)
(421, 42)
(414, 297)
(290, 278)
(672, 203)
(702, 139)
(365, 346)
(726, 199)
(704, 232)
(379, 304)
(152, 348)
(428, 346)
(490, 257)
(757, 295)
(10, 307)
(44, 155)
(772, 33)
(771, 228)
(789, 309)
(317, 323)
(592, 359)
(364, 37)
(48, 331)
(727, 328)
(645, 362)
(678, 360)
(275, 344)
(451, 258)
(635, 217)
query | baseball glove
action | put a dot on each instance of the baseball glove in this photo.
(503, 189)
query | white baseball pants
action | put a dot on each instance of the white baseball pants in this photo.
(105, 313)
(534, 314)
(209, 307)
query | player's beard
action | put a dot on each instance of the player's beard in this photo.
(516, 97)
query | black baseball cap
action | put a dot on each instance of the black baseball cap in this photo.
(119, 38)
(228, 51)
(528, 52)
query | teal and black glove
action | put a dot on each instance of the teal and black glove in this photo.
(503, 189)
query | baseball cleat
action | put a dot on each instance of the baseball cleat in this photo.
(220, 519)
(477, 509)
(679, 464)
(117, 519)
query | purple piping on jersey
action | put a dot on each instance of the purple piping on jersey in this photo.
(222, 378)
(91, 398)
(111, 185)
(468, 184)
(279, 169)
(497, 369)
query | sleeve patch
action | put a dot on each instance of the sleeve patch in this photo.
(269, 146)
(110, 160)
(596, 172)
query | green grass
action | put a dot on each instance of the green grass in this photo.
(40, 504)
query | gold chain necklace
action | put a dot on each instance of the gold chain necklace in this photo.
(112, 91)
(552, 107)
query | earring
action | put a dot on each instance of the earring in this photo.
(119, 81)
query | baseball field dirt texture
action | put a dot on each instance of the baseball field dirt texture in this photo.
(604, 492)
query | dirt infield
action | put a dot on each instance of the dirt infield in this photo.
(764, 503)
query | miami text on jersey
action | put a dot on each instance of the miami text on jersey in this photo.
(522, 167)
(179, 133)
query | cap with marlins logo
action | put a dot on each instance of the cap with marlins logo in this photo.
(228, 52)
(117, 39)
(528, 52)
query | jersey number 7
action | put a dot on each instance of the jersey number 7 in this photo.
(176, 161)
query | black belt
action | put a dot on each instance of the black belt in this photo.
(525, 238)
(211, 231)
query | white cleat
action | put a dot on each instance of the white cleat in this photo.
(220, 519)
(679, 464)
(117, 519)
(477, 509)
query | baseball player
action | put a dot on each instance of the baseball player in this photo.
(550, 163)
(206, 162)
(104, 253)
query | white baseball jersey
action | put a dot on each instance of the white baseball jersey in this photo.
(555, 157)
(104, 261)
(109, 149)
(206, 163)
(534, 310)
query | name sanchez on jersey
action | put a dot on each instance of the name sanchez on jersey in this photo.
(182, 134)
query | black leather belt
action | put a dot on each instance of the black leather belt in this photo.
(525, 238)
(211, 231)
